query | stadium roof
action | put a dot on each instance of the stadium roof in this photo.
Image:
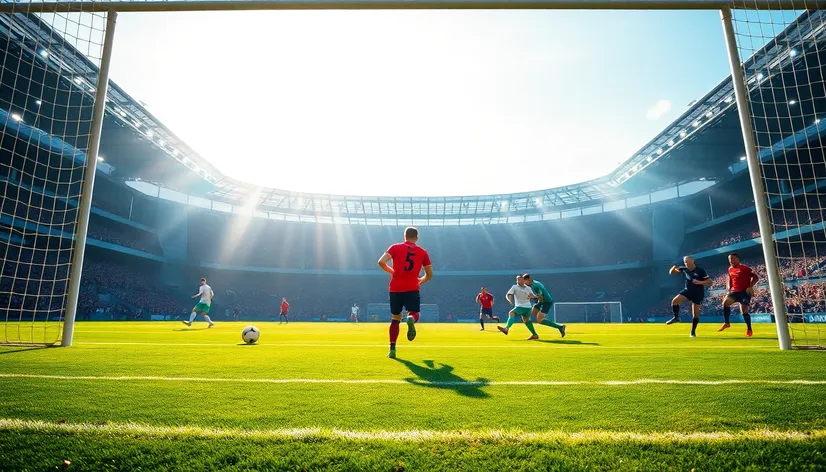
(139, 147)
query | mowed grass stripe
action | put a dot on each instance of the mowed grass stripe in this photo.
(477, 383)
(579, 437)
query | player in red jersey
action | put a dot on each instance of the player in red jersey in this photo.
(408, 261)
(486, 300)
(740, 286)
(285, 308)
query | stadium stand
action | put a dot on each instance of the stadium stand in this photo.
(600, 240)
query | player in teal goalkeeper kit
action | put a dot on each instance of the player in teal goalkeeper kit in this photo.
(544, 304)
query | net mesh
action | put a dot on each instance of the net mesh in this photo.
(588, 312)
(785, 80)
(48, 78)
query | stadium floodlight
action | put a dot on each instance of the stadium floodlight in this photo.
(38, 102)
(793, 52)
(100, 158)
(44, 53)
(743, 158)
(78, 80)
(16, 117)
(149, 133)
(792, 102)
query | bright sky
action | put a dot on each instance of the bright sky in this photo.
(418, 102)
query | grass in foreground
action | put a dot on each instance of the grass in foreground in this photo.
(453, 378)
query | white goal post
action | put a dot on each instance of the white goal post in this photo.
(742, 86)
(588, 312)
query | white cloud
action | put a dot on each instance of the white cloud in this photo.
(658, 110)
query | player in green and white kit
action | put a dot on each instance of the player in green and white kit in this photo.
(202, 308)
(520, 296)
(544, 303)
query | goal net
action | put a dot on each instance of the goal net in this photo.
(588, 312)
(381, 312)
(787, 93)
(48, 77)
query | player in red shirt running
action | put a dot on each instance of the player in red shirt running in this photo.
(408, 261)
(285, 308)
(740, 286)
(486, 300)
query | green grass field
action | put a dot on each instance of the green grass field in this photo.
(313, 396)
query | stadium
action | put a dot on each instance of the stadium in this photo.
(620, 391)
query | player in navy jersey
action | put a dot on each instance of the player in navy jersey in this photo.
(696, 281)
(408, 261)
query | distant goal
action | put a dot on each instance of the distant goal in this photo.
(588, 312)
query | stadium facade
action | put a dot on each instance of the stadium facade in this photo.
(163, 216)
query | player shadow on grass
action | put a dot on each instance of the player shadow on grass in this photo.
(444, 378)
(189, 329)
(570, 342)
(23, 349)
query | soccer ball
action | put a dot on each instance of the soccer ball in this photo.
(250, 334)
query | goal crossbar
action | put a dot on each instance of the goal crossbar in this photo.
(239, 5)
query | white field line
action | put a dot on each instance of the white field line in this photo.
(526, 345)
(477, 383)
(579, 437)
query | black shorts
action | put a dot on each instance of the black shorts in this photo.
(694, 297)
(410, 301)
(486, 311)
(740, 297)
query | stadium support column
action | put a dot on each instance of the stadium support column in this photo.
(89, 182)
(763, 221)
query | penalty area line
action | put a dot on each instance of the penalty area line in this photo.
(515, 436)
(476, 383)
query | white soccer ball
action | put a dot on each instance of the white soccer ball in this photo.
(250, 334)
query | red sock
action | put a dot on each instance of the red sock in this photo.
(415, 315)
(394, 333)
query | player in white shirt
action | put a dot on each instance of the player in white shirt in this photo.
(520, 296)
(354, 313)
(202, 308)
